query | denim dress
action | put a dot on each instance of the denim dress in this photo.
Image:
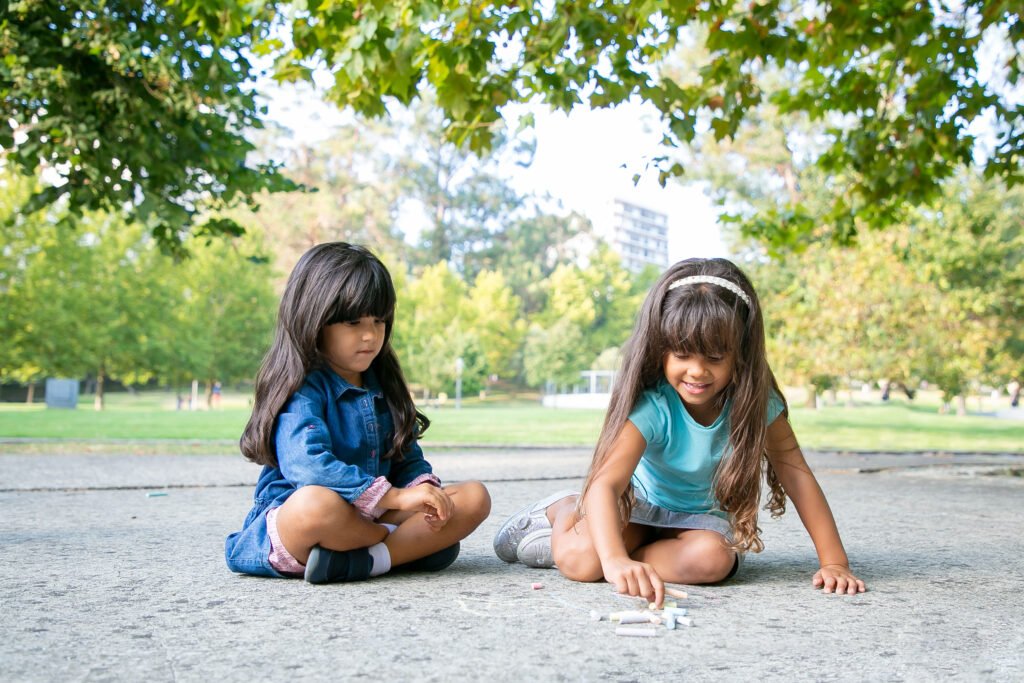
(330, 434)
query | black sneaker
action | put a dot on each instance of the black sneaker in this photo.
(329, 566)
(434, 562)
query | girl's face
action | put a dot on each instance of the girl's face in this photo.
(351, 346)
(698, 380)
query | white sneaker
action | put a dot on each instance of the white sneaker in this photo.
(535, 549)
(530, 519)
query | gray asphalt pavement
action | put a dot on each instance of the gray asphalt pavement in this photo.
(100, 582)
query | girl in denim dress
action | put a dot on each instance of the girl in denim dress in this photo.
(345, 493)
(696, 420)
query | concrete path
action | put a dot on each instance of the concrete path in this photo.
(101, 582)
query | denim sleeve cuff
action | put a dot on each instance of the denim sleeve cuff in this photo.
(367, 501)
(426, 477)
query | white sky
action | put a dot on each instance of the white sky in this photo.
(583, 160)
(589, 157)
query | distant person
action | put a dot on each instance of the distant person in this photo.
(345, 493)
(674, 487)
(215, 392)
(1013, 388)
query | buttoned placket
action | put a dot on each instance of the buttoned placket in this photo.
(372, 428)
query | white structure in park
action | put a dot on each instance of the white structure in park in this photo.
(594, 391)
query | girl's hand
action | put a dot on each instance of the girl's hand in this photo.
(431, 500)
(635, 578)
(839, 579)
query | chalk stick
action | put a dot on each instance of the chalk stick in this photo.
(675, 593)
(618, 616)
(156, 494)
(637, 632)
(634, 619)
(671, 623)
(684, 621)
(675, 611)
(536, 586)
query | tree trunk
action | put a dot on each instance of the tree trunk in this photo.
(961, 405)
(812, 398)
(31, 396)
(97, 402)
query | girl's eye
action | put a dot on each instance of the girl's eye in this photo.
(715, 359)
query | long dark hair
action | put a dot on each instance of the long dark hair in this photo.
(333, 282)
(709, 320)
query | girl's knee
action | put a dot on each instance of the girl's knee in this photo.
(711, 560)
(473, 498)
(313, 507)
(578, 567)
(576, 561)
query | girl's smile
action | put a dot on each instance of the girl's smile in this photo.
(698, 380)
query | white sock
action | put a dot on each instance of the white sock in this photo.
(381, 559)
(390, 527)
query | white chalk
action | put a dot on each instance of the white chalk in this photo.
(675, 593)
(633, 631)
(684, 621)
(671, 623)
(616, 616)
(675, 611)
(634, 619)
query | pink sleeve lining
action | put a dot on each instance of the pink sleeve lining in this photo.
(366, 503)
(427, 478)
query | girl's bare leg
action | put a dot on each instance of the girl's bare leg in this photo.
(690, 556)
(572, 548)
(315, 515)
(414, 538)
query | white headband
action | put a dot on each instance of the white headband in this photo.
(711, 279)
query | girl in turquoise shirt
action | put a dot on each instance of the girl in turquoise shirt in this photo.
(695, 417)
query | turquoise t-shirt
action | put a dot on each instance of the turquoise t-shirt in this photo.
(677, 469)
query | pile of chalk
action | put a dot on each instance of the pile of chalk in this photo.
(645, 622)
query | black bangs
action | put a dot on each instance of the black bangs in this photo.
(366, 291)
(705, 325)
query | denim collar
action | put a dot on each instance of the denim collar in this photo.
(340, 386)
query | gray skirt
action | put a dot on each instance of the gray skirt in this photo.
(649, 514)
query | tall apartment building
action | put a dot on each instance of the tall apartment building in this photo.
(639, 235)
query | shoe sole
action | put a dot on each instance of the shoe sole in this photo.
(543, 503)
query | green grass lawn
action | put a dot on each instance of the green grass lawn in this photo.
(894, 426)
